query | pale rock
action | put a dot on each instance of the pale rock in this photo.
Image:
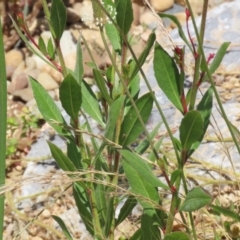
(85, 12)
(181, 16)
(46, 213)
(19, 69)
(67, 45)
(70, 60)
(36, 238)
(51, 94)
(9, 71)
(25, 94)
(13, 58)
(148, 19)
(58, 77)
(162, 5)
(18, 82)
(47, 81)
(33, 73)
(72, 15)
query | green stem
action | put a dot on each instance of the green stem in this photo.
(3, 127)
(198, 58)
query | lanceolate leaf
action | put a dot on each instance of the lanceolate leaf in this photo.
(177, 236)
(62, 160)
(124, 15)
(141, 168)
(126, 209)
(42, 45)
(131, 126)
(167, 75)
(70, 96)
(83, 206)
(58, 18)
(90, 103)
(195, 200)
(113, 36)
(191, 129)
(226, 212)
(63, 227)
(149, 228)
(102, 85)
(74, 154)
(78, 71)
(113, 116)
(47, 106)
(50, 49)
(218, 58)
(146, 194)
(179, 26)
(205, 109)
(144, 54)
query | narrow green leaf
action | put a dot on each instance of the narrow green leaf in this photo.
(62, 160)
(100, 194)
(63, 227)
(113, 116)
(70, 96)
(195, 200)
(226, 212)
(167, 75)
(152, 156)
(83, 206)
(101, 83)
(90, 103)
(205, 109)
(124, 15)
(179, 26)
(177, 236)
(150, 230)
(175, 175)
(131, 126)
(143, 146)
(113, 36)
(28, 44)
(47, 106)
(74, 154)
(137, 235)
(141, 168)
(126, 209)
(144, 54)
(109, 216)
(218, 58)
(191, 129)
(79, 70)
(50, 49)
(134, 87)
(58, 18)
(146, 194)
(42, 45)
(3, 130)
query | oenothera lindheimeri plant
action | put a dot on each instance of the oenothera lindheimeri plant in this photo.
(122, 114)
(3, 126)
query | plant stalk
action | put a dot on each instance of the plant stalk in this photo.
(3, 127)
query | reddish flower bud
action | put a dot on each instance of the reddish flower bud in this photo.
(210, 57)
(188, 14)
(178, 50)
(20, 19)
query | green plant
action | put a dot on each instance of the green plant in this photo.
(3, 125)
(122, 114)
